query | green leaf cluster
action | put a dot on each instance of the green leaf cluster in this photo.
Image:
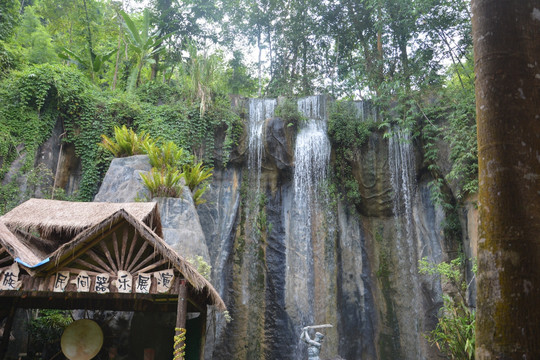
(288, 111)
(454, 333)
(163, 183)
(47, 326)
(348, 132)
(126, 142)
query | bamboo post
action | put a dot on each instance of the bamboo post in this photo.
(181, 314)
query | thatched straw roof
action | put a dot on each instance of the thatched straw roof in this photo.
(85, 223)
(196, 280)
(17, 248)
(54, 216)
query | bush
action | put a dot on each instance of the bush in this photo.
(454, 333)
(126, 142)
(163, 183)
(167, 156)
(196, 176)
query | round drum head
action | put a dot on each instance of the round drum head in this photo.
(82, 340)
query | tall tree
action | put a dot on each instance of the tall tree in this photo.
(506, 35)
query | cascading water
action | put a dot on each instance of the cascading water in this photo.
(365, 110)
(305, 237)
(402, 170)
(312, 154)
(259, 111)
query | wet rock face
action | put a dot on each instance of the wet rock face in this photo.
(355, 268)
(278, 145)
(370, 170)
(181, 227)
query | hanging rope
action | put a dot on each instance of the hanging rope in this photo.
(179, 344)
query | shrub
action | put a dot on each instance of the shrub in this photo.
(167, 156)
(126, 142)
(163, 183)
(454, 333)
(196, 175)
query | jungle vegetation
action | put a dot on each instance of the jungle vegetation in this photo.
(167, 71)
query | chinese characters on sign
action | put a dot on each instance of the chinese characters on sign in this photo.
(83, 282)
(164, 280)
(102, 283)
(143, 283)
(60, 281)
(99, 283)
(124, 282)
(9, 279)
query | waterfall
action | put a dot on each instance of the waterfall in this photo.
(402, 176)
(312, 152)
(365, 110)
(308, 215)
(402, 169)
(259, 111)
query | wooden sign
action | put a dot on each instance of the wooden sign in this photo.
(9, 279)
(83, 282)
(61, 279)
(144, 281)
(101, 285)
(124, 283)
(164, 280)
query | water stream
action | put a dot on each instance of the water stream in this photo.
(259, 111)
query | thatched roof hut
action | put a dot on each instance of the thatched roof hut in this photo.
(53, 218)
(47, 236)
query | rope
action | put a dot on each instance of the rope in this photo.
(180, 338)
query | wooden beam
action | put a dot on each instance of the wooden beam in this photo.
(137, 257)
(131, 248)
(66, 258)
(116, 251)
(97, 259)
(108, 255)
(123, 254)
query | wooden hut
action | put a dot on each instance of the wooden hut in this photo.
(96, 256)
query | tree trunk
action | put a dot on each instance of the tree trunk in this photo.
(259, 66)
(506, 35)
(115, 77)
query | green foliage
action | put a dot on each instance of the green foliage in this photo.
(453, 121)
(33, 100)
(165, 183)
(454, 333)
(289, 113)
(202, 266)
(144, 43)
(348, 133)
(47, 327)
(126, 142)
(9, 16)
(167, 156)
(93, 64)
(196, 176)
(240, 80)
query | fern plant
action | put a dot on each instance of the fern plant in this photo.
(167, 156)
(126, 142)
(196, 176)
(163, 183)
